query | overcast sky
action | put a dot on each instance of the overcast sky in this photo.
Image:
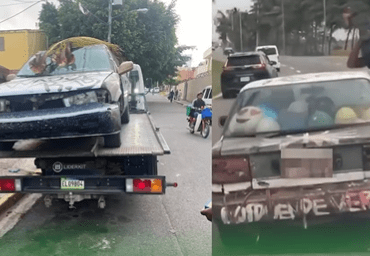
(194, 29)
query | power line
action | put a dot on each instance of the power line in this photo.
(18, 3)
(20, 12)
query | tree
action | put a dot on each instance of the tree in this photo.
(49, 22)
(147, 39)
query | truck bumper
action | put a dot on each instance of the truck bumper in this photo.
(91, 185)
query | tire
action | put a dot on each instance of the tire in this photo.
(125, 116)
(191, 126)
(6, 145)
(205, 132)
(112, 141)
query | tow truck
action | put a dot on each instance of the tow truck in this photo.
(79, 169)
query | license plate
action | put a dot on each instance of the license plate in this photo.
(67, 183)
(245, 79)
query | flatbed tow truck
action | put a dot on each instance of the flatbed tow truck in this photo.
(78, 169)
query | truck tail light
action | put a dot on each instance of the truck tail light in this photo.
(230, 170)
(144, 186)
(7, 185)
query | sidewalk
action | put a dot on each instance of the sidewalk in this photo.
(15, 167)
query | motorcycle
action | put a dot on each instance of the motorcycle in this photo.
(201, 123)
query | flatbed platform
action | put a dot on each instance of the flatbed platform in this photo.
(139, 137)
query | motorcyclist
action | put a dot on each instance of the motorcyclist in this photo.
(198, 103)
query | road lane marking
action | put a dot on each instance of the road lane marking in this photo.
(298, 71)
(291, 68)
(283, 65)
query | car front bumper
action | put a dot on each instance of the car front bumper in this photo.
(93, 119)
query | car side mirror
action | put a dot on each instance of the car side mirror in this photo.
(10, 77)
(125, 67)
(222, 120)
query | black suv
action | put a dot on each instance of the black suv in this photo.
(243, 68)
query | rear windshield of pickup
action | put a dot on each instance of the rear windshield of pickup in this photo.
(268, 51)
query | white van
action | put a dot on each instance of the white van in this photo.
(272, 53)
(207, 95)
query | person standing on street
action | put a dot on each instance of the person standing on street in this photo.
(176, 94)
(356, 17)
(170, 96)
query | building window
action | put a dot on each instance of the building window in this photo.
(2, 48)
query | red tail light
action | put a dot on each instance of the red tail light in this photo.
(230, 170)
(7, 185)
(147, 186)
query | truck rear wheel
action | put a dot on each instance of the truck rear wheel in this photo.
(112, 141)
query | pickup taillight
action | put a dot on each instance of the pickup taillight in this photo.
(230, 170)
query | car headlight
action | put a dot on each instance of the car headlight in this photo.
(100, 96)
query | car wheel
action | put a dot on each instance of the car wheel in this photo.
(112, 141)
(125, 117)
(278, 69)
(6, 145)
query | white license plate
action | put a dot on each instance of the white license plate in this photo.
(67, 183)
(245, 79)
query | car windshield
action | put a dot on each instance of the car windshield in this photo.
(243, 60)
(86, 59)
(268, 51)
(299, 108)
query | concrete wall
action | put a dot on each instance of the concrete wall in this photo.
(19, 46)
(192, 87)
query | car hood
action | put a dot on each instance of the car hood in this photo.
(54, 84)
(252, 145)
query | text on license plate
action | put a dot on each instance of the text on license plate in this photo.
(67, 183)
(245, 79)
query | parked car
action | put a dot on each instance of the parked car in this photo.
(85, 99)
(272, 53)
(243, 68)
(156, 89)
(207, 95)
(294, 151)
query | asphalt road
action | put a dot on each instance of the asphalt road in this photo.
(284, 240)
(170, 224)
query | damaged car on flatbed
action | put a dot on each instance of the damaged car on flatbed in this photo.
(294, 151)
(78, 88)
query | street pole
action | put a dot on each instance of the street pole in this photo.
(241, 39)
(282, 7)
(110, 20)
(258, 12)
(323, 46)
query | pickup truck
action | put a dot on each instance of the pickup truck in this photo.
(75, 169)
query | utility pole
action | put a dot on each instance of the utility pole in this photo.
(323, 44)
(283, 23)
(110, 20)
(257, 34)
(241, 32)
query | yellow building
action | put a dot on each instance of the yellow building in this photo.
(17, 46)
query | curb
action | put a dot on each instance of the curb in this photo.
(9, 200)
